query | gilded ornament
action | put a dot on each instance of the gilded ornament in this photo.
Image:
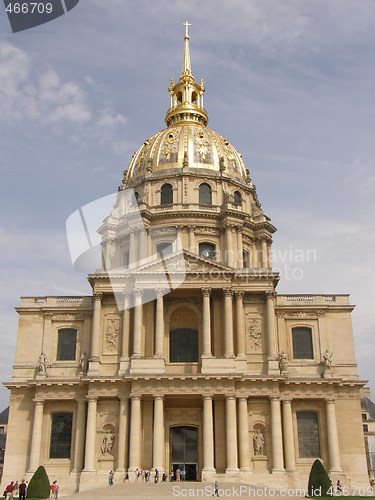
(201, 143)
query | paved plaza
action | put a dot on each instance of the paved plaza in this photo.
(145, 491)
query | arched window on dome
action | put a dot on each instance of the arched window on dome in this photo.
(164, 249)
(207, 251)
(166, 195)
(179, 97)
(205, 194)
(237, 198)
(194, 98)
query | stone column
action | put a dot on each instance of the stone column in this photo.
(243, 434)
(276, 435)
(79, 446)
(132, 247)
(228, 323)
(271, 341)
(206, 323)
(122, 450)
(159, 324)
(138, 310)
(90, 434)
(333, 440)
(94, 365)
(231, 433)
(135, 433)
(264, 253)
(158, 436)
(228, 246)
(125, 329)
(253, 256)
(36, 436)
(191, 242)
(208, 435)
(241, 350)
(269, 254)
(239, 248)
(288, 438)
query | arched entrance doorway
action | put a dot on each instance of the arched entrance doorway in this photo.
(184, 451)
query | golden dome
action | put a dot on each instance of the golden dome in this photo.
(186, 142)
(187, 145)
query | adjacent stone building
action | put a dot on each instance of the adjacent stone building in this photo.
(185, 357)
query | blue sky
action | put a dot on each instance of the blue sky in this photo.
(288, 83)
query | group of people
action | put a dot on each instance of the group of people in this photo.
(15, 489)
(178, 475)
(145, 476)
(20, 490)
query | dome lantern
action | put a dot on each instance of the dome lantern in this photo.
(186, 96)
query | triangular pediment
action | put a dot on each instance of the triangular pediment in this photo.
(180, 262)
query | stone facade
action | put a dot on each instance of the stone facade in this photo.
(263, 364)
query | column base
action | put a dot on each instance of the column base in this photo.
(335, 471)
(94, 367)
(229, 355)
(124, 365)
(218, 366)
(273, 366)
(278, 471)
(153, 366)
(235, 470)
(86, 480)
(206, 356)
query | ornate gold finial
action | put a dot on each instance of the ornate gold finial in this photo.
(186, 96)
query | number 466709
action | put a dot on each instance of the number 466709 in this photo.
(29, 8)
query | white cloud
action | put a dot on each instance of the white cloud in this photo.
(45, 98)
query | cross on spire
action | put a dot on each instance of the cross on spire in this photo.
(186, 24)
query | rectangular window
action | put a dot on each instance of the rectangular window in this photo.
(61, 435)
(302, 343)
(66, 344)
(308, 434)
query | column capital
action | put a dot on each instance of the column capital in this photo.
(48, 315)
(38, 401)
(159, 292)
(206, 292)
(138, 292)
(158, 397)
(81, 399)
(230, 396)
(206, 397)
(239, 229)
(274, 398)
(242, 398)
(91, 398)
(97, 296)
(228, 292)
(287, 400)
(239, 294)
(192, 227)
(123, 397)
(271, 295)
(135, 397)
(330, 400)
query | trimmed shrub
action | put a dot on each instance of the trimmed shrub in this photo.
(39, 484)
(319, 482)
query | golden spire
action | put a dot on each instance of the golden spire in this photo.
(186, 66)
(186, 96)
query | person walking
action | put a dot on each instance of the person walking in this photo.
(110, 477)
(216, 489)
(52, 494)
(22, 490)
(9, 490)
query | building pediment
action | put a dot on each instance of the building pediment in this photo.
(183, 262)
